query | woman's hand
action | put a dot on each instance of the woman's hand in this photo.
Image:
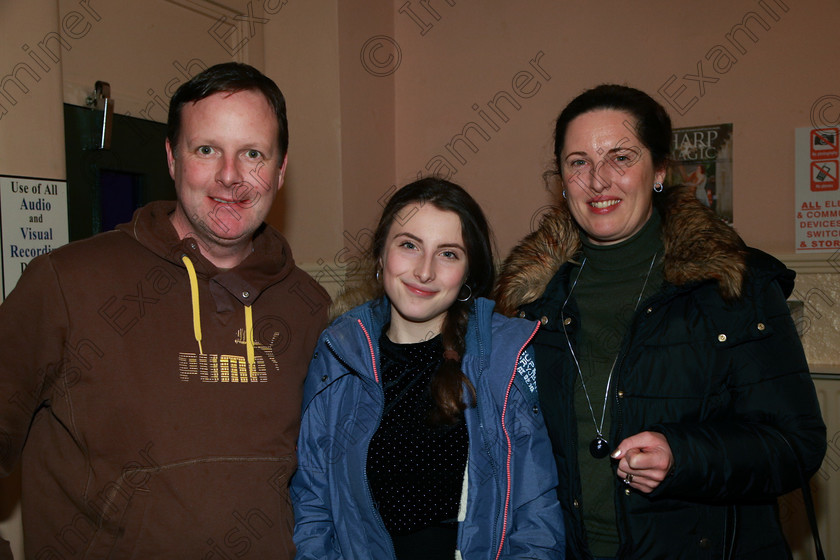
(645, 459)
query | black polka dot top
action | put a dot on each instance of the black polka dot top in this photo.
(415, 470)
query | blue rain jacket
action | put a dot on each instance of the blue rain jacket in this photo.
(512, 509)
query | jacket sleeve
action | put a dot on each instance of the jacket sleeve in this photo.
(772, 426)
(536, 529)
(315, 534)
(33, 326)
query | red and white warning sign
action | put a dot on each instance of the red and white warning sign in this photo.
(823, 176)
(817, 212)
(824, 143)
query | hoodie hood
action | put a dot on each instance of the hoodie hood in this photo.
(269, 263)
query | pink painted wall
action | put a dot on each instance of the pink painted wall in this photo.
(475, 50)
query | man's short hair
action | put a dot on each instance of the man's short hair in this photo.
(228, 77)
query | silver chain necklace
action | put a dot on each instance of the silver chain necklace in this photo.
(599, 447)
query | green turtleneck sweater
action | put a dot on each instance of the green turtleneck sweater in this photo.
(611, 281)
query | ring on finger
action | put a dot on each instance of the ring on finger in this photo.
(628, 479)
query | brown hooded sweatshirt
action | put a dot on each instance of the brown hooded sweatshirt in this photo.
(155, 399)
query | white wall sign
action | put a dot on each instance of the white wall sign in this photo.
(33, 221)
(817, 193)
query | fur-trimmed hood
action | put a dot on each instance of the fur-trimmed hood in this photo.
(698, 246)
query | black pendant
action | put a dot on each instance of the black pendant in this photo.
(599, 447)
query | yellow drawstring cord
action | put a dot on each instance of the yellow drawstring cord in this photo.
(249, 337)
(195, 308)
(249, 319)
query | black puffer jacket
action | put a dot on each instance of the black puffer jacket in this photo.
(712, 361)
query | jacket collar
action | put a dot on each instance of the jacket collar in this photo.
(362, 326)
(699, 247)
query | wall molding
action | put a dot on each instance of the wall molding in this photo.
(812, 263)
(233, 17)
(330, 278)
(333, 278)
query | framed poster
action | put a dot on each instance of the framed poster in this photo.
(701, 156)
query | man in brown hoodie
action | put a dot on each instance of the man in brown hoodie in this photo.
(151, 376)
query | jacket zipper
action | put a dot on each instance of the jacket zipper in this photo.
(619, 416)
(367, 443)
(507, 437)
(636, 318)
(479, 407)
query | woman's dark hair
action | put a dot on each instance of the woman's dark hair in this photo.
(448, 382)
(229, 77)
(652, 126)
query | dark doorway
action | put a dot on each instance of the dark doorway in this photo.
(105, 186)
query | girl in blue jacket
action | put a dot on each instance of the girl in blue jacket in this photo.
(422, 435)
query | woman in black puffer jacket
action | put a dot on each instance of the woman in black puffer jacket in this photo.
(671, 376)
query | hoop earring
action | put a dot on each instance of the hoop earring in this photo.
(377, 274)
(564, 193)
(467, 286)
(658, 187)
